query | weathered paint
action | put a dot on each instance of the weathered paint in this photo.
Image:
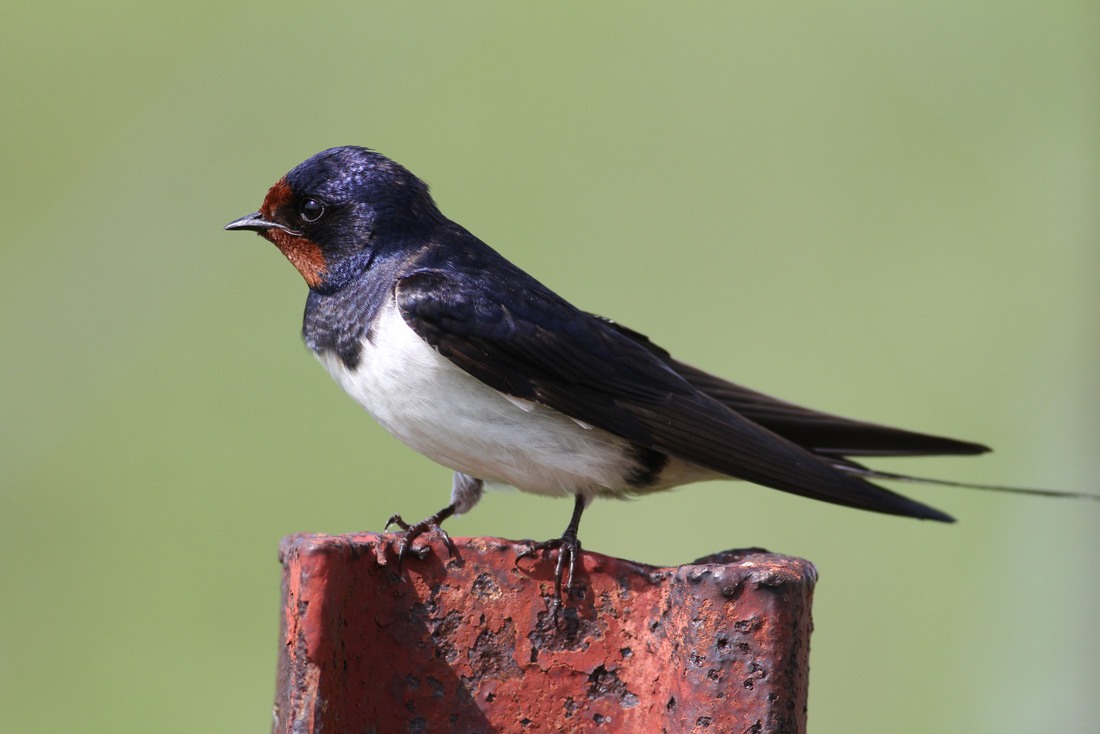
(472, 643)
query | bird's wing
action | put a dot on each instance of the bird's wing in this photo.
(822, 433)
(520, 338)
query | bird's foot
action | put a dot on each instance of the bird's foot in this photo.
(414, 531)
(569, 549)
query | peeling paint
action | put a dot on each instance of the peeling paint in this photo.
(476, 643)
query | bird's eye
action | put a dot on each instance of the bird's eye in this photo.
(311, 210)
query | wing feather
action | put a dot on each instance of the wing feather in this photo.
(822, 433)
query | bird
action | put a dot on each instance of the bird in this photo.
(474, 363)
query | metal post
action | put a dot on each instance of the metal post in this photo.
(476, 643)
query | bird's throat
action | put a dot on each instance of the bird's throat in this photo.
(303, 254)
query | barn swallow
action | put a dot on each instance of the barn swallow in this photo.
(475, 364)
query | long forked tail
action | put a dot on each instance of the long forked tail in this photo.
(862, 471)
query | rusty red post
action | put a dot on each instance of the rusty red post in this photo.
(474, 643)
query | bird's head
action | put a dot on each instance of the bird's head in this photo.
(335, 211)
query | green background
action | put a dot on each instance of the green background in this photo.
(888, 211)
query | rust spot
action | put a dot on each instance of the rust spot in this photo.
(604, 682)
(444, 634)
(483, 587)
(747, 625)
(564, 630)
(493, 655)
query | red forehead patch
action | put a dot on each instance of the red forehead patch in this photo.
(277, 196)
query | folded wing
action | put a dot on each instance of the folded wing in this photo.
(529, 343)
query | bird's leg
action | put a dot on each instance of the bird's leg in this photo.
(567, 546)
(414, 531)
(465, 492)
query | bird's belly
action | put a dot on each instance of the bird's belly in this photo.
(439, 410)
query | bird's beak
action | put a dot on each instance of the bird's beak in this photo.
(255, 222)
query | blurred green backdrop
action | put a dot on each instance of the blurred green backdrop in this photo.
(884, 210)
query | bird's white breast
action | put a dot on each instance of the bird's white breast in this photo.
(455, 419)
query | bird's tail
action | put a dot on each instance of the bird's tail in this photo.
(850, 467)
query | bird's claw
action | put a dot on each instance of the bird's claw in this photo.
(568, 547)
(412, 532)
